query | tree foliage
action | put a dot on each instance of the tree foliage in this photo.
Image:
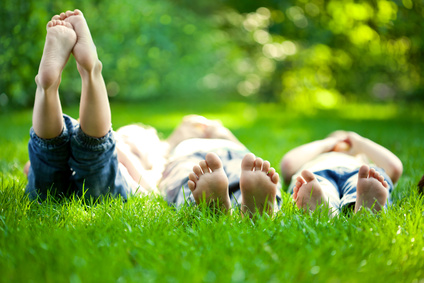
(327, 51)
(294, 51)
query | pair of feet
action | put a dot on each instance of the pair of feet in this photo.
(371, 191)
(258, 184)
(66, 33)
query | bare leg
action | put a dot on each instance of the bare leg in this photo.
(258, 184)
(209, 183)
(147, 179)
(47, 115)
(308, 193)
(371, 190)
(95, 116)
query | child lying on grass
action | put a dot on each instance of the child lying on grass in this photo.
(341, 171)
(67, 156)
(227, 174)
(84, 158)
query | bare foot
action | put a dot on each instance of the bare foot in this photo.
(26, 168)
(209, 183)
(371, 190)
(84, 51)
(60, 40)
(258, 184)
(307, 192)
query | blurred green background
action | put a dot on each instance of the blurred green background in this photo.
(301, 52)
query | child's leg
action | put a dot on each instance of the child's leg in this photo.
(48, 147)
(49, 170)
(94, 157)
(95, 116)
(47, 115)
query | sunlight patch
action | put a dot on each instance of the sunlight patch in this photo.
(368, 111)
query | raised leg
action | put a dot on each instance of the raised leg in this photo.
(95, 116)
(258, 184)
(47, 115)
(209, 183)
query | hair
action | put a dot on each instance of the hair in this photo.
(421, 186)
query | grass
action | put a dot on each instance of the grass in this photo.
(146, 240)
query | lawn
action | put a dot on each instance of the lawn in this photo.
(145, 240)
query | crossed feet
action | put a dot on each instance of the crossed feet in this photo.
(258, 184)
(371, 191)
(66, 33)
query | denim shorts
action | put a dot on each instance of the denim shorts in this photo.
(74, 163)
(340, 184)
(174, 183)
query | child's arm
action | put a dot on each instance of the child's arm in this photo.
(381, 156)
(294, 159)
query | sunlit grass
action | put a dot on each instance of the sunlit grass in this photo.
(146, 240)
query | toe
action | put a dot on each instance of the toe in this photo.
(300, 180)
(308, 176)
(296, 189)
(266, 166)
(193, 177)
(275, 178)
(248, 162)
(372, 173)
(258, 164)
(270, 172)
(197, 170)
(56, 17)
(213, 161)
(77, 12)
(204, 166)
(191, 185)
(296, 196)
(364, 171)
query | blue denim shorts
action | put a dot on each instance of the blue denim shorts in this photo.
(74, 163)
(340, 184)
